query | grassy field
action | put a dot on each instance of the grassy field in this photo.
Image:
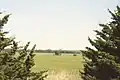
(65, 67)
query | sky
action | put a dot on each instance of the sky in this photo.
(56, 24)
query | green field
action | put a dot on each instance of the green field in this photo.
(63, 67)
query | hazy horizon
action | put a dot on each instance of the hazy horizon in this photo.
(56, 24)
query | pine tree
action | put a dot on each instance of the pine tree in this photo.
(16, 62)
(103, 62)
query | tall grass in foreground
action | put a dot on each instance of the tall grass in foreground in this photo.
(63, 75)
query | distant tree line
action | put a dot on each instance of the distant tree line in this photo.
(51, 51)
(61, 51)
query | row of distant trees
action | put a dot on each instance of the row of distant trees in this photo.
(61, 51)
(51, 51)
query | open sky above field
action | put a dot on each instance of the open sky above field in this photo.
(56, 24)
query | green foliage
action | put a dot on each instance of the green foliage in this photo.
(14, 64)
(103, 62)
(74, 54)
(58, 53)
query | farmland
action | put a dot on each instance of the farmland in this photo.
(65, 67)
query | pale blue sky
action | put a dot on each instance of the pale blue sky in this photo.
(56, 24)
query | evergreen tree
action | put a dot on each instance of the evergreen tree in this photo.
(103, 62)
(16, 62)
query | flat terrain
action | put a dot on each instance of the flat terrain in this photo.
(65, 67)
